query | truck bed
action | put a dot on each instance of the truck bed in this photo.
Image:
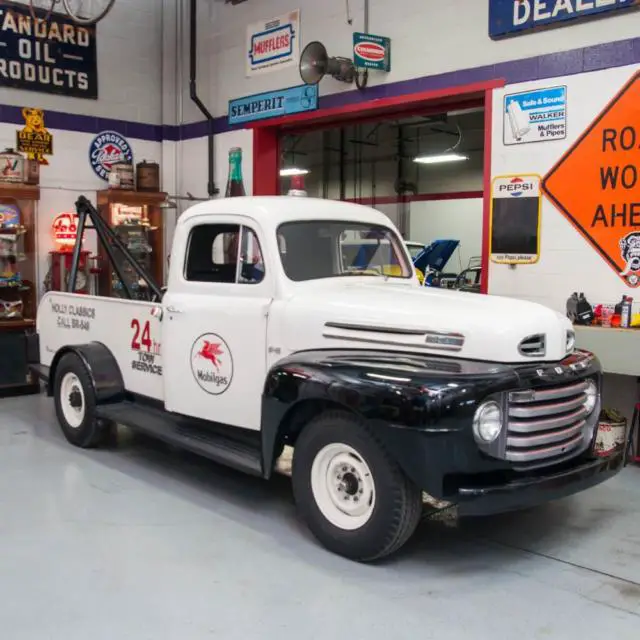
(126, 327)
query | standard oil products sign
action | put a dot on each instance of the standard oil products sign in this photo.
(50, 56)
(273, 44)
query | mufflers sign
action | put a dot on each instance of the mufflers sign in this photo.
(49, 56)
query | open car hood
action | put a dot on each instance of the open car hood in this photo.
(436, 255)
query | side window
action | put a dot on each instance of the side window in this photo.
(251, 259)
(216, 254)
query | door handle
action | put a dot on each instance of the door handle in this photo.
(172, 309)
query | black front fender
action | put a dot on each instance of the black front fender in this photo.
(420, 407)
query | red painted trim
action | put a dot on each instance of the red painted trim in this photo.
(486, 212)
(418, 197)
(379, 116)
(266, 162)
(401, 103)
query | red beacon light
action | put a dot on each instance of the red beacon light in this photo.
(297, 186)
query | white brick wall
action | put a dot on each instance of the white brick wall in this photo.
(567, 262)
(129, 41)
(68, 175)
(428, 37)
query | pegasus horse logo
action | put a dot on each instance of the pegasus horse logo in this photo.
(211, 351)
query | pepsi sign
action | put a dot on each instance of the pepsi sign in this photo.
(516, 204)
(517, 186)
(372, 52)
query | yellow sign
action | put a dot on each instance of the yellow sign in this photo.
(34, 139)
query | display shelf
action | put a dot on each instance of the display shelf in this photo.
(136, 217)
(17, 285)
(617, 349)
(132, 198)
(19, 324)
(19, 191)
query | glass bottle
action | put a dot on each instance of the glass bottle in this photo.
(235, 184)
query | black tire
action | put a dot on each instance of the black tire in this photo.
(91, 432)
(398, 502)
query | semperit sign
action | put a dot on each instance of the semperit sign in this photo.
(596, 183)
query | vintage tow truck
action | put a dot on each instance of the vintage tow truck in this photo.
(265, 337)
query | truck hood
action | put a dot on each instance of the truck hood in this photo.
(402, 317)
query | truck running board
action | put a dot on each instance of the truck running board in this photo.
(179, 431)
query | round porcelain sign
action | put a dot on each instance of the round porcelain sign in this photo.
(106, 149)
(211, 363)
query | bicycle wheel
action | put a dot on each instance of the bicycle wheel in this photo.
(87, 12)
(39, 9)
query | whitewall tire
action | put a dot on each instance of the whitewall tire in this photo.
(75, 401)
(352, 495)
(72, 400)
(342, 486)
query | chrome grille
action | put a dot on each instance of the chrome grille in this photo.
(533, 346)
(546, 425)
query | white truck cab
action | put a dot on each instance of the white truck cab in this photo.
(268, 335)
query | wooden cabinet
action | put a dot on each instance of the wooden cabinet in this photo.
(136, 218)
(18, 285)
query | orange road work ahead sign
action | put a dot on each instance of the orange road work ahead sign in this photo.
(596, 184)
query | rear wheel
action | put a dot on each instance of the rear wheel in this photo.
(75, 402)
(353, 496)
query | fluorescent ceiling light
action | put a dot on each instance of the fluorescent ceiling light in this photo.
(438, 159)
(464, 112)
(293, 171)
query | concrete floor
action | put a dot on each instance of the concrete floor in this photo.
(149, 543)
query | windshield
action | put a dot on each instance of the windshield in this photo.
(414, 249)
(326, 249)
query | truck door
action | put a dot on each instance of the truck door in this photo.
(215, 322)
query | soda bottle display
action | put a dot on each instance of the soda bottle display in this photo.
(235, 184)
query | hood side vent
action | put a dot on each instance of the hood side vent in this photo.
(362, 327)
(533, 346)
(394, 336)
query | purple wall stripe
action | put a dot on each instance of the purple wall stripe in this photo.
(565, 63)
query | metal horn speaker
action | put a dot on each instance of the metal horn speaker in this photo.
(315, 63)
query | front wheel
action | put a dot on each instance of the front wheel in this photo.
(353, 496)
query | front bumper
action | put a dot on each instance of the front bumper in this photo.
(532, 491)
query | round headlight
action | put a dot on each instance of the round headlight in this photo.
(591, 393)
(487, 422)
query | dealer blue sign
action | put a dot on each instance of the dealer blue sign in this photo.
(273, 103)
(515, 17)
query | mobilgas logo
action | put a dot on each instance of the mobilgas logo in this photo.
(517, 187)
(370, 51)
(211, 363)
(106, 149)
